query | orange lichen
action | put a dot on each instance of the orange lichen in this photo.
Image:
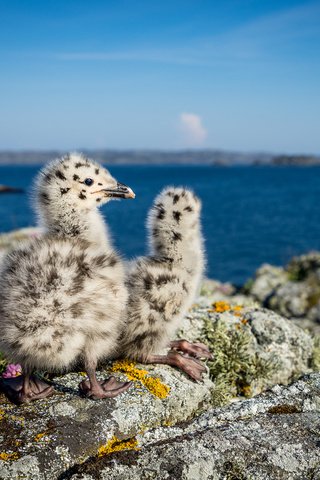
(116, 445)
(154, 385)
(8, 456)
(38, 437)
(237, 308)
(222, 306)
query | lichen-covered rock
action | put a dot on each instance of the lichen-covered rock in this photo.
(216, 291)
(253, 348)
(274, 436)
(44, 438)
(267, 279)
(293, 291)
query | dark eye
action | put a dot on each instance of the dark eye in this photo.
(89, 182)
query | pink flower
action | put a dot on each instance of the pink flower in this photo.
(12, 370)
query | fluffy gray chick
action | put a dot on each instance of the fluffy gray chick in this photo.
(62, 296)
(163, 285)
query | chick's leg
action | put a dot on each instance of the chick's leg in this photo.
(189, 365)
(198, 350)
(95, 388)
(25, 388)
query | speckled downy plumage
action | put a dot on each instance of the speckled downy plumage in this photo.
(62, 296)
(163, 285)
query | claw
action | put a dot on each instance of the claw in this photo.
(198, 350)
(191, 366)
(25, 389)
(105, 389)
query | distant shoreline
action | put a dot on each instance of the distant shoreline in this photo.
(154, 157)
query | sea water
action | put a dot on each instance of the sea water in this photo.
(251, 215)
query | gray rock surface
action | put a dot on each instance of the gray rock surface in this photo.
(293, 291)
(273, 436)
(44, 439)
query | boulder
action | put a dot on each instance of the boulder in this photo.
(41, 440)
(274, 436)
(253, 348)
(293, 291)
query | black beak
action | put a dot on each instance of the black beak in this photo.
(121, 191)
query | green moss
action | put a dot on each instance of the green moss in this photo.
(246, 289)
(314, 298)
(315, 363)
(295, 275)
(235, 365)
(300, 268)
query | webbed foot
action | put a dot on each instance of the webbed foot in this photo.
(25, 389)
(198, 350)
(191, 366)
(104, 388)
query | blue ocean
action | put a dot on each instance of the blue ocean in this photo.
(251, 215)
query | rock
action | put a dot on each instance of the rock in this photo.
(293, 291)
(267, 279)
(215, 291)
(253, 348)
(274, 436)
(43, 439)
(7, 189)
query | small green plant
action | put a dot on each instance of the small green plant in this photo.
(315, 362)
(235, 365)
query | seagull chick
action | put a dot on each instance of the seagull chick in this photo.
(62, 296)
(163, 285)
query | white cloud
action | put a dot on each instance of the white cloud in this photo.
(193, 131)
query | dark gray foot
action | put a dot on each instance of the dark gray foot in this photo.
(198, 350)
(104, 389)
(25, 389)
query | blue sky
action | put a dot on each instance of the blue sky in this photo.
(237, 75)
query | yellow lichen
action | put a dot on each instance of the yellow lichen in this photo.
(8, 456)
(116, 445)
(14, 418)
(2, 414)
(154, 385)
(237, 308)
(222, 306)
(38, 437)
